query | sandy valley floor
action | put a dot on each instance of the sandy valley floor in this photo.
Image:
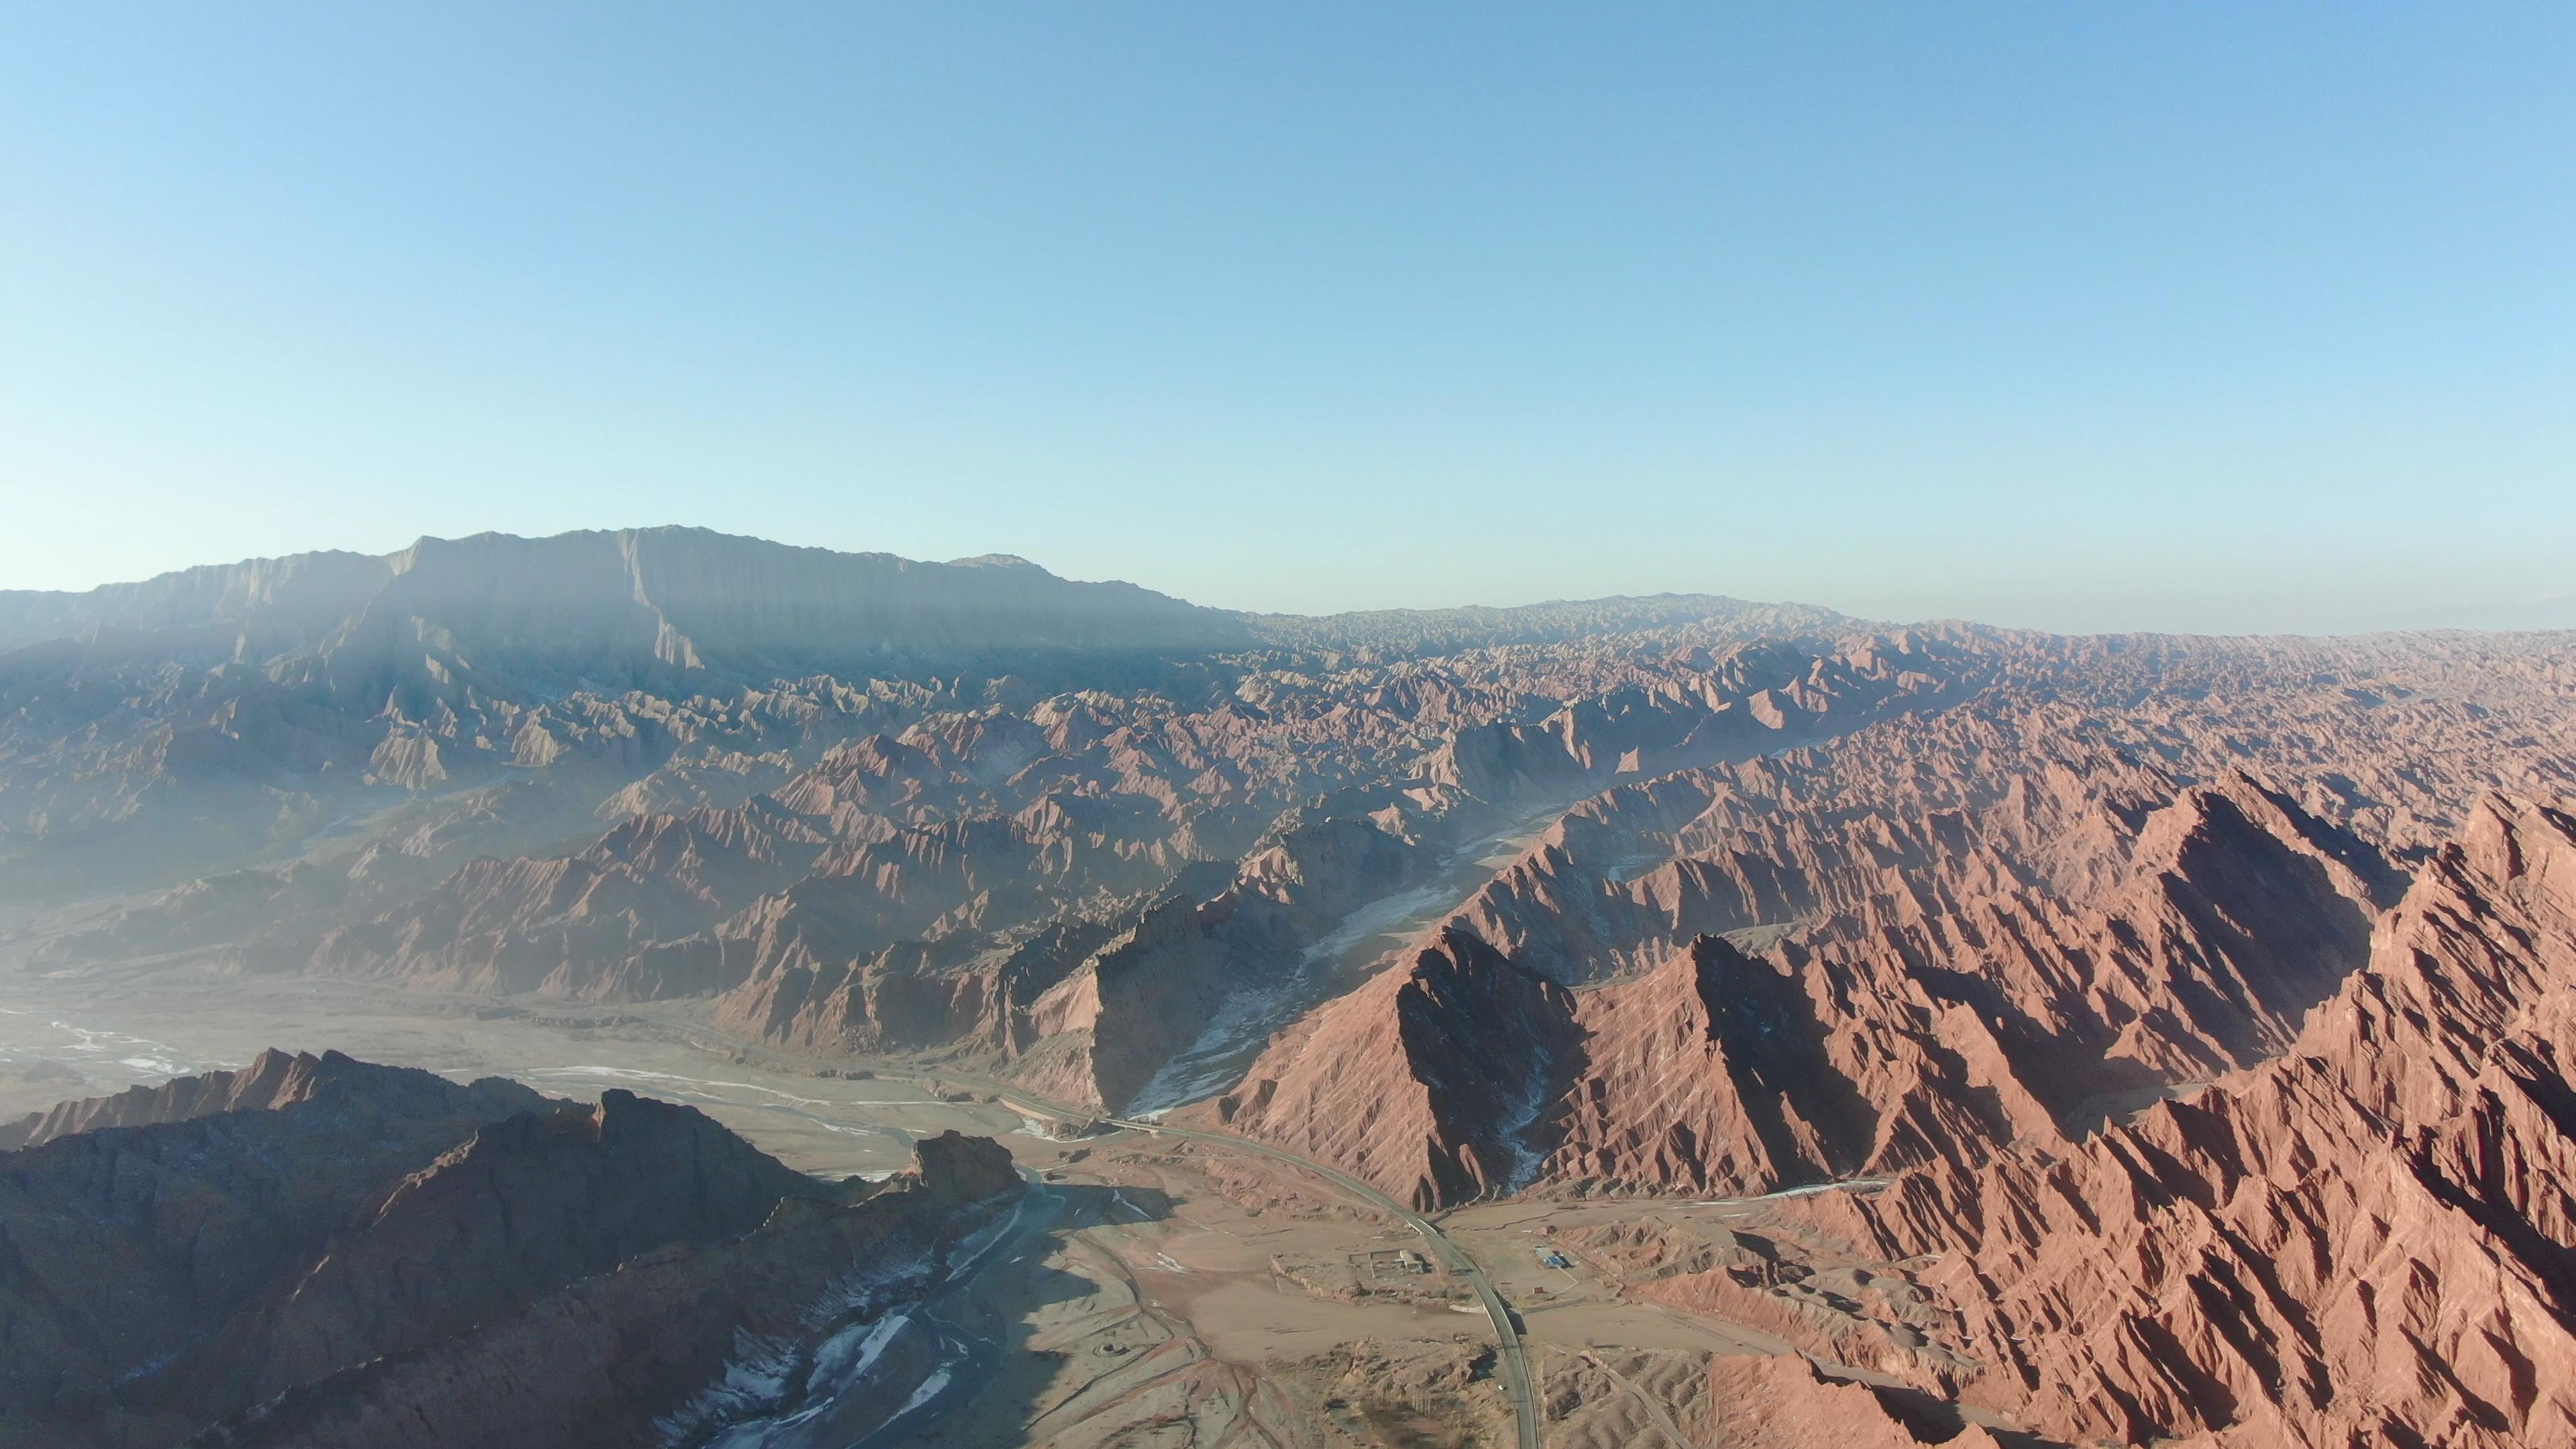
(1168, 1292)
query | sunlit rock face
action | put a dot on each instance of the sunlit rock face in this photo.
(2362, 1240)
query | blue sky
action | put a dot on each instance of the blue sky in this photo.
(2189, 316)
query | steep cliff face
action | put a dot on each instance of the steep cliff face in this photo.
(912, 995)
(1788, 1402)
(1103, 1031)
(1089, 1007)
(2367, 1240)
(270, 604)
(970, 824)
(1425, 1081)
(563, 924)
(900, 893)
(1881, 831)
(642, 603)
(1716, 1072)
(203, 720)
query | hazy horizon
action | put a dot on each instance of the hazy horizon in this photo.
(1740, 726)
(2073, 319)
(2558, 609)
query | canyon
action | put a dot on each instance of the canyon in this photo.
(1902, 1033)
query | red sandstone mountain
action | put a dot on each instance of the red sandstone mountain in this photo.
(923, 888)
(2360, 1234)
(1945, 904)
(2368, 1240)
(1982, 963)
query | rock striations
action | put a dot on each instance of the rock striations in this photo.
(1425, 1081)
(1984, 958)
(2368, 1240)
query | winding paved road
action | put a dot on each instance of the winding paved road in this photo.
(1511, 1363)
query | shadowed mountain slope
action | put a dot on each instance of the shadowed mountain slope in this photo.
(270, 1232)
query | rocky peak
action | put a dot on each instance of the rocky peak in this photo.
(2363, 1240)
(273, 1080)
(954, 1167)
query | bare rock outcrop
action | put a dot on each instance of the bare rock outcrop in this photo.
(2366, 1240)
(1423, 1081)
(955, 1168)
(1789, 1402)
(1980, 979)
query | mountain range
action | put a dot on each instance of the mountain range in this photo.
(2156, 1036)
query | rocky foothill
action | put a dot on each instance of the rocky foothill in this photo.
(315, 1250)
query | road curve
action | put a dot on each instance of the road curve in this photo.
(1510, 1362)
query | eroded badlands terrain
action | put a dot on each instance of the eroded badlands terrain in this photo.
(1643, 1021)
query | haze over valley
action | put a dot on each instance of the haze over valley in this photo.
(1140, 726)
(1712, 973)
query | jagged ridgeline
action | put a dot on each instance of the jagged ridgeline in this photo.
(1105, 842)
(319, 1251)
(232, 712)
(2120, 1038)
